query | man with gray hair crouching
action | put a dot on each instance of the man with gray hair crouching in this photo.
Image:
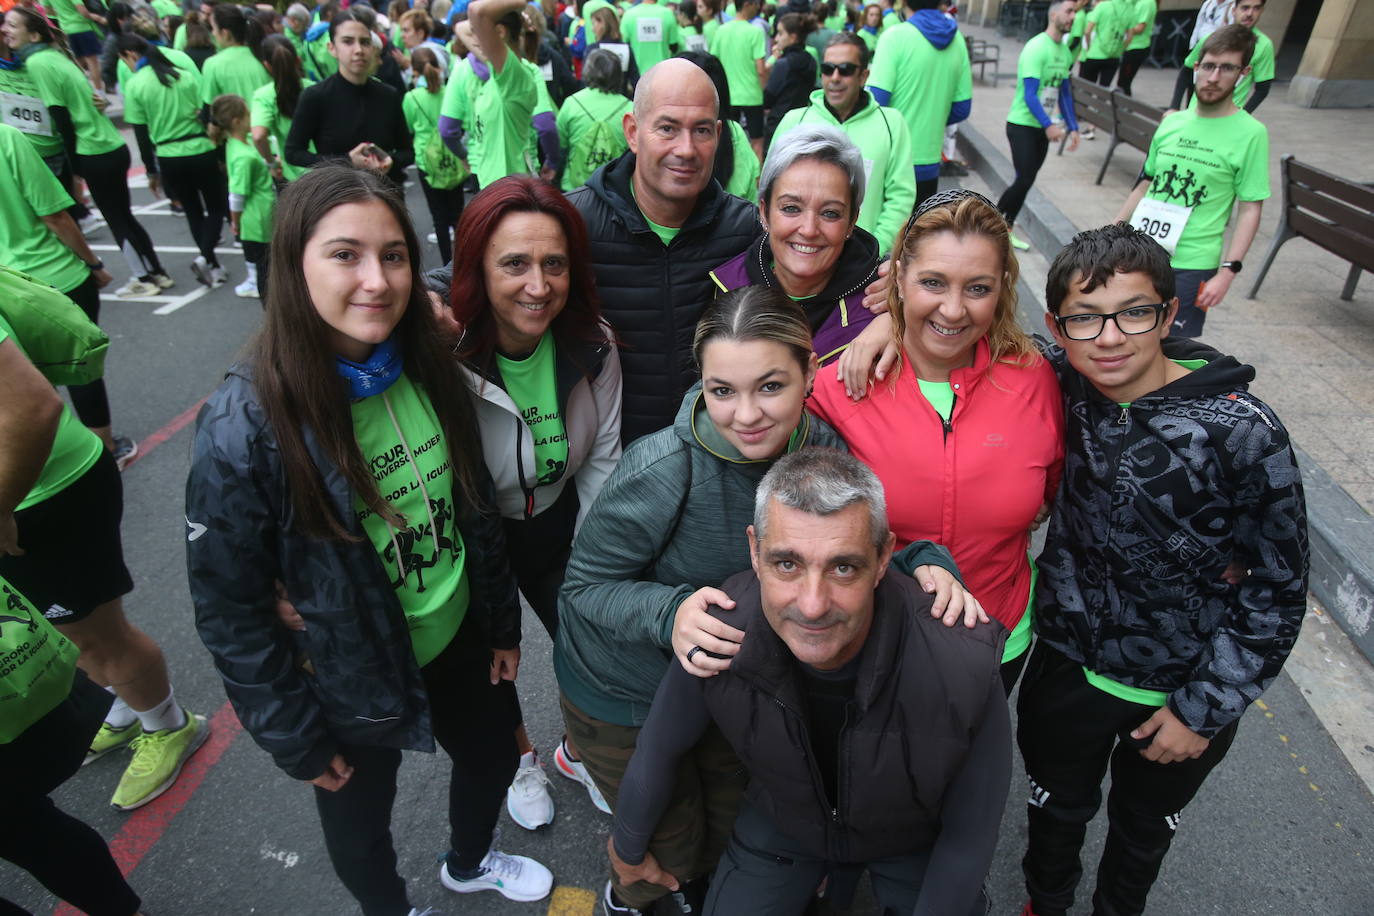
(874, 736)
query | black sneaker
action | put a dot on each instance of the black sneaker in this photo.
(125, 451)
(611, 905)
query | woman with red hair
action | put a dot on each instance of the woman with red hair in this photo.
(545, 372)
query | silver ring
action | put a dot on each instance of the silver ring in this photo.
(693, 651)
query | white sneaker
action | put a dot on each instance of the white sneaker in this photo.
(218, 277)
(162, 280)
(577, 772)
(427, 911)
(90, 225)
(432, 238)
(249, 290)
(528, 799)
(136, 288)
(513, 877)
(201, 268)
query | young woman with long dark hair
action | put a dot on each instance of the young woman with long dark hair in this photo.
(274, 105)
(333, 468)
(236, 67)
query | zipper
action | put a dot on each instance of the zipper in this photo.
(520, 466)
(817, 783)
(1125, 417)
(841, 847)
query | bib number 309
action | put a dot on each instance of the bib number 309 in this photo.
(25, 113)
(1163, 222)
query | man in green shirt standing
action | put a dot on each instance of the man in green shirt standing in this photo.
(652, 32)
(921, 68)
(83, 36)
(1261, 76)
(1102, 41)
(1201, 161)
(741, 47)
(881, 135)
(1140, 32)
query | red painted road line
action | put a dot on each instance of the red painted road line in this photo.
(177, 424)
(146, 825)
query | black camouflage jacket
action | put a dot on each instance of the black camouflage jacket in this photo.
(1157, 499)
(351, 676)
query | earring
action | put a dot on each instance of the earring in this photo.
(810, 390)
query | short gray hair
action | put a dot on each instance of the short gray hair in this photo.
(298, 11)
(822, 143)
(601, 70)
(822, 481)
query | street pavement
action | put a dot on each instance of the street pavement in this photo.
(1284, 827)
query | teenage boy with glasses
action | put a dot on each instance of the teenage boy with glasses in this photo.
(1200, 162)
(881, 134)
(1173, 580)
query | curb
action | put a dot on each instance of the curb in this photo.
(1340, 531)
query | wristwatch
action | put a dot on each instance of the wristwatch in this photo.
(1233, 266)
(98, 265)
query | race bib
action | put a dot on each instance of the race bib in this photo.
(1049, 100)
(696, 43)
(25, 113)
(546, 71)
(1161, 221)
(620, 50)
(649, 29)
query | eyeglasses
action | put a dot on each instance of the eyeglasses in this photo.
(1225, 69)
(1138, 319)
(846, 69)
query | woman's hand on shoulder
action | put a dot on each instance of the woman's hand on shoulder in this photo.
(869, 358)
(695, 629)
(875, 294)
(952, 601)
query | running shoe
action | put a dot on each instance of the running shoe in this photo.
(577, 772)
(137, 288)
(201, 268)
(432, 238)
(109, 738)
(90, 225)
(125, 451)
(528, 799)
(1087, 133)
(248, 289)
(218, 276)
(162, 280)
(611, 905)
(427, 911)
(158, 759)
(176, 208)
(1019, 243)
(513, 877)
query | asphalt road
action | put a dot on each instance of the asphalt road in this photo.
(1284, 827)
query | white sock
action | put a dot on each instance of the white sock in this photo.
(527, 759)
(252, 273)
(165, 715)
(120, 715)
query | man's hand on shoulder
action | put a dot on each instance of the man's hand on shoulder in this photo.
(1172, 741)
(648, 870)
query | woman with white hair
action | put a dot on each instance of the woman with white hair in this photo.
(589, 123)
(812, 249)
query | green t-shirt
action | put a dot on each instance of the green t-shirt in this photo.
(590, 129)
(708, 31)
(26, 112)
(1261, 67)
(234, 71)
(940, 395)
(744, 180)
(459, 94)
(170, 112)
(501, 120)
(38, 668)
(1048, 61)
(1108, 38)
(165, 8)
(250, 179)
(421, 110)
(666, 234)
(28, 192)
(532, 384)
(737, 44)
(63, 85)
(652, 32)
(924, 83)
(1205, 165)
(74, 448)
(69, 19)
(325, 64)
(412, 471)
(1144, 11)
(263, 112)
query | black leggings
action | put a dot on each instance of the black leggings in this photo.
(1130, 66)
(474, 723)
(64, 854)
(107, 175)
(445, 206)
(1099, 71)
(1029, 147)
(199, 184)
(61, 166)
(538, 549)
(91, 403)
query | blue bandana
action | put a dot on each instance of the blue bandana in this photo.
(376, 375)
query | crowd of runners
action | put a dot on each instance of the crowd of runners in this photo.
(713, 376)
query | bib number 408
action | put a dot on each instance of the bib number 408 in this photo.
(25, 114)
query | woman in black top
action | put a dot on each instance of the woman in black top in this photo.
(794, 73)
(350, 115)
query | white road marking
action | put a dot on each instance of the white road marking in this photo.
(173, 249)
(184, 301)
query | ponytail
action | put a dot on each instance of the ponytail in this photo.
(285, 68)
(426, 63)
(166, 70)
(245, 31)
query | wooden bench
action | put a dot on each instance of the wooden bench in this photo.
(1092, 104)
(1133, 123)
(980, 54)
(1331, 212)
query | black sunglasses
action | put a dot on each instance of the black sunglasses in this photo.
(846, 69)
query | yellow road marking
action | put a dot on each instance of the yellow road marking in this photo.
(572, 901)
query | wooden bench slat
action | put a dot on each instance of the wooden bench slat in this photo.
(1357, 221)
(1348, 246)
(1357, 194)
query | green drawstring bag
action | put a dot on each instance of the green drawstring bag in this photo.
(65, 345)
(37, 664)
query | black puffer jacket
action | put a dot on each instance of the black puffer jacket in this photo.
(351, 676)
(651, 294)
(789, 86)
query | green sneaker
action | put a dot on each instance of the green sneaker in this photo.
(109, 739)
(1018, 243)
(158, 757)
